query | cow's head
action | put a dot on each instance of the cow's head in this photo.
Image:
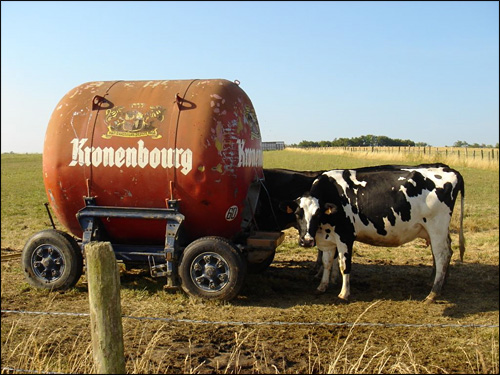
(309, 213)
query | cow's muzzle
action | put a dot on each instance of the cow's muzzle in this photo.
(307, 241)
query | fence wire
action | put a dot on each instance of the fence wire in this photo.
(271, 323)
(238, 323)
(24, 371)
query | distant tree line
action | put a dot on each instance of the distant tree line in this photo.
(377, 141)
(473, 145)
(362, 141)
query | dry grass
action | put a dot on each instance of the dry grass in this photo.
(451, 156)
(156, 349)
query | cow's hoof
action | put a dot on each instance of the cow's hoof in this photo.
(431, 298)
(342, 300)
(318, 292)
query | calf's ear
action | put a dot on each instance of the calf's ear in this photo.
(330, 209)
(288, 206)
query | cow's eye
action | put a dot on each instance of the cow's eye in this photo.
(299, 213)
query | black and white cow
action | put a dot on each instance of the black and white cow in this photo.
(277, 186)
(383, 206)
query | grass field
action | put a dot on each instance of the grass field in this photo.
(388, 285)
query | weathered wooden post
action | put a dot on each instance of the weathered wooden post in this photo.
(105, 309)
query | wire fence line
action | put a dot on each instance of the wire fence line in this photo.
(24, 371)
(239, 323)
(489, 154)
(270, 323)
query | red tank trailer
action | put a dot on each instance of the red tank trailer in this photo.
(169, 172)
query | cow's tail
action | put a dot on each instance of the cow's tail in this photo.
(461, 238)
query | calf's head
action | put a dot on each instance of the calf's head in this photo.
(308, 212)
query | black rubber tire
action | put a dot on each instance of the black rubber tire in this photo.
(52, 259)
(212, 268)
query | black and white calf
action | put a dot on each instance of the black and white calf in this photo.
(383, 206)
(281, 185)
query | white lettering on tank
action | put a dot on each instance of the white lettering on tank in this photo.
(143, 154)
(186, 161)
(77, 155)
(119, 156)
(248, 157)
(108, 157)
(133, 157)
(97, 157)
(154, 157)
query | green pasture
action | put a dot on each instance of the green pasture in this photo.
(23, 194)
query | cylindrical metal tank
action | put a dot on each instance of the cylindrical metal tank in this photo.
(141, 143)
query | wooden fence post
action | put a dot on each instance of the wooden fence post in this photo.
(105, 309)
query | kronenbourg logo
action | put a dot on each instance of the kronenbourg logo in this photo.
(248, 157)
(131, 157)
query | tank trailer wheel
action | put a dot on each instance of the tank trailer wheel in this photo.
(52, 259)
(212, 268)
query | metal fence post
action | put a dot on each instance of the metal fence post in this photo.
(105, 309)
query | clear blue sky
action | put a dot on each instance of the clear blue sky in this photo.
(425, 71)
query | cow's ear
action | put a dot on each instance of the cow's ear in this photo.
(289, 206)
(330, 209)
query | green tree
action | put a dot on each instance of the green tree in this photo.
(460, 144)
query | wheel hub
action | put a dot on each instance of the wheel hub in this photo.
(47, 263)
(210, 272)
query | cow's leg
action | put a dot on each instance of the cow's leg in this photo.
(433, 274)
(441, 250)
(318, 266)
(327, 267)
(451, 254)
(344, 260)
(335, 274)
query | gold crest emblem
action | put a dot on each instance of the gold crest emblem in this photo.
(133, 122)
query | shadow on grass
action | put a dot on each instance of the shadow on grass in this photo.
(470, 288)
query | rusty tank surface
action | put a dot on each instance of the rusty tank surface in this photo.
(154, 167)
(141, 143)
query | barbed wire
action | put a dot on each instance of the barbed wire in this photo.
(11, 369)
(271, 323)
